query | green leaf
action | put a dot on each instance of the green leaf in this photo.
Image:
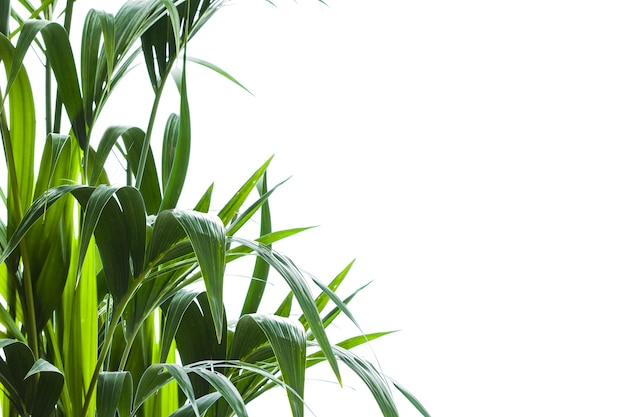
(250, 211)
(218, 70)
(108, 140)
(168, 151)
(156, 376)
(196, 339)
(49, 386)
(226, 388)
(261, 268)
(206, 234)
(175, 311)
(180, 162)
(35, 212)
(230, 210)
(16, 362)
(203, 403)
(288, 341)
(375, 381)
(20, 145)
(61, 58)
(296, 281)
(412, 399)
(115, 391)
(5, 12)
(134, 139)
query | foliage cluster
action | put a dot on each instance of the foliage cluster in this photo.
(112, 296)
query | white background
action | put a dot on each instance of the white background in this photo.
(470, 156)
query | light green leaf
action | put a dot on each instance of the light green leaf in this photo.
(20, 145)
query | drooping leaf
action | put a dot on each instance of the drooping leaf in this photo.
(115, 391)
(218, 70)
(206, 234)
(175, 311)
(16, 362)
(156, 376)
(197, 341)
(49, 381)
(375, 381)
(288, 341)
(412, 398)
(296, 281)
(226, 388)
(203, 403)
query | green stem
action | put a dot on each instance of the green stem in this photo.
(146, 142)
(118, 310)
(58, 362)
(117, 314)
(48, 89)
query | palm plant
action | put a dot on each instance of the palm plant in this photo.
(112, 296)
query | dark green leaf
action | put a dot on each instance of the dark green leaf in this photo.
(115, 391)
(49, 385)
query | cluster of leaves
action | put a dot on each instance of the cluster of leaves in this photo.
(111, 296)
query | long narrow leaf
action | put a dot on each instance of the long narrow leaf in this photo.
(208, 239)
(288, 341)
(115, 390)
(295, 279)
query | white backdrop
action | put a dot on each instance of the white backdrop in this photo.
(470, 156)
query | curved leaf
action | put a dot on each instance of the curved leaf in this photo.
(49, 385)
(376, 382)
(296, 281)
(227, 390)
(288, 341)
(61, 58)
(156, 376)
(218, 70)
(175, 311)
(115, 391)
(412, 398)
(203, 403)
(206, 234)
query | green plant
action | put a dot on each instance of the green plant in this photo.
(112, 297)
